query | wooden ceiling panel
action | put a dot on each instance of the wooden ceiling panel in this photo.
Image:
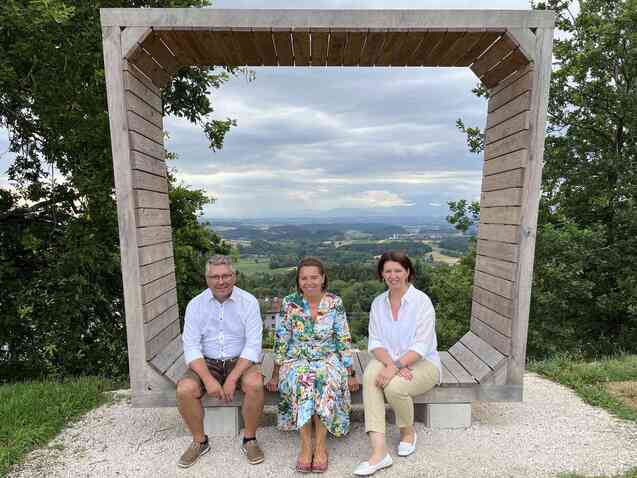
(265, 46)
(391, 48)
(514, 62)
(175, 40)
(355, 42)
(301, 46)
(244, 40)
(409, 48)
(372, 48)
(161, 53)
(283, 44)
(460, 48)
(478, 49)
(319, 40)
(336, 48)
(445, 47)
(500, 49)
(429, 47)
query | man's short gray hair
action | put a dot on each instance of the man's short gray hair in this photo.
(219, 260)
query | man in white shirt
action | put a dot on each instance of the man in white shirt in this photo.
(222, 347)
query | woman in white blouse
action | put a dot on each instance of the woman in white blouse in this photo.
(402, 339)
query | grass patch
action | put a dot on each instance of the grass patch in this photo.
(251, 266)
(593, 380)
(32, 413)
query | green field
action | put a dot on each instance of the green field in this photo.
(255, 266)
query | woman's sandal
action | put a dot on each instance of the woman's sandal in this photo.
(303, 467)
(320, 467)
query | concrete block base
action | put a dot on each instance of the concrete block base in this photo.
(222, 421)
(448, 415)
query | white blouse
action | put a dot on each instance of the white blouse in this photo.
(415, 329)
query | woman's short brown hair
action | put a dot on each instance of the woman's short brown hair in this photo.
(311, 262)
(401, 258)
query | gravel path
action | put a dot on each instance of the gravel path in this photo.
(551, 432)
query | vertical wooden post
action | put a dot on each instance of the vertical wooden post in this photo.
(530, 204)
(111, 39)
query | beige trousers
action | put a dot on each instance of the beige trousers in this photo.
(398, 392)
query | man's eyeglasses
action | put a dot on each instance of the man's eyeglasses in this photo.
(223, 277)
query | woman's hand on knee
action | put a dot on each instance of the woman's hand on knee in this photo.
(385, 375)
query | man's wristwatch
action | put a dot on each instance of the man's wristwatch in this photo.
(398, 364)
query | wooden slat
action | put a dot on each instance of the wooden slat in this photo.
(364, 357)
(175, 41)
(482, 349)
(391, 48)
(283, 43)
(144, 110)
(516, 61)
(507, 128)
(446, 48)
(243, 40)
(318, 51)
(139, 89)
(155, 345)
(356, 365)
(503, 96)
(149, 182)
(264, 46)
(501, 197)
(431, 46)
(494, 284)
(145, 128)
(489, 335)
(153, 271)
(168, 355)
(457, 370)
(158, 287)
(152, 217)
(460, 48)
(139, 74)
(508, 162)
(176, 370)
(154, 45)
(154, 253)
(500, 215)
(493, 301)
(509, 110)
(493, 56)
(410, 47)
(499, 250)
(160, 305)
(372, 48)
(496, 267)
(210, 48)
(336, 49)
(147, 236)
(355, 41)
(494, 320)
(229, 48)
(144, 145)
(151, 199)
(448, 379)
(469, 361)
(499, 232)
(478, 49)
(142, 162)
(151, 69)
(507, 145)
(301, 41)
(509, 179)
(159, 323)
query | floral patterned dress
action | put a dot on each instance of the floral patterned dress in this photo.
(313, 356)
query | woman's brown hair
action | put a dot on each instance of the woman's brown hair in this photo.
(311, 262)
(396, 256)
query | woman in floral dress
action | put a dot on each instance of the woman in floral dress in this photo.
(313, 365)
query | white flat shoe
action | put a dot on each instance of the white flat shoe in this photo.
(365, 469)
(406, 449)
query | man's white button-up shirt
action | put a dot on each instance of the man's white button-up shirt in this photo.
(222, 330)
(415, 329)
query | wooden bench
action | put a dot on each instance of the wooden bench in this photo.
(473, 370)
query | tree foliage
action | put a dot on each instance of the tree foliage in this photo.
(61, 309)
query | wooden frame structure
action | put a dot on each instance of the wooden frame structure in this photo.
(509, 51)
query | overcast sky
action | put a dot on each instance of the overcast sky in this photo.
(310, 141)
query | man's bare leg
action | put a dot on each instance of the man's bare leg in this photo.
(190, 408)
(253, 400)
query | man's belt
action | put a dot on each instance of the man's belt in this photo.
(222, 362)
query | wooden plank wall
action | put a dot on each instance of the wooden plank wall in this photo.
(162, 340)
(506, 157)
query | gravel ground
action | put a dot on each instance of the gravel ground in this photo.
(551, 432)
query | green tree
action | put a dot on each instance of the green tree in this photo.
(61, 309)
